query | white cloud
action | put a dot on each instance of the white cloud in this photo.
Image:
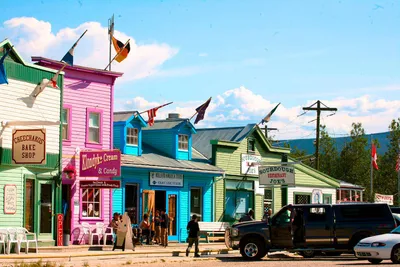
(203, 55)
(239, 106)
(34, 37)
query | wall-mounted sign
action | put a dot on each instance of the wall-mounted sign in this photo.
(29, 146)
(10, 199)
(384, 199)
(277, 175)
(60, 225)
(104, 163)
(250, 164)
(100, 184)
(166, 179)
(317, 196)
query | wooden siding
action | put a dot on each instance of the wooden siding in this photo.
(219, 187)
(52, 160)
(17, 105)
(304, 179)
(277, 202)
(258, 206)
(298, 190)
(118, 136)
(163, 141)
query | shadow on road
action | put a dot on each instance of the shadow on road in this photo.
(283, 257)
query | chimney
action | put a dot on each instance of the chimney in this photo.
(173, 116)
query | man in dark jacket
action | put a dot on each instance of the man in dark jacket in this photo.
(248, 217)
(164, 223)
(194, 230)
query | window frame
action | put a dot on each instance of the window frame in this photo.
(90, 144)
(251, 146)
(200, 201)
(180, 142)
(69, 130)
(132, 136)
(101, 205)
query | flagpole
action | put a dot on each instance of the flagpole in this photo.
(199, 109)
(120, 51)
(110, 34)
(372, 172)
(156, 108)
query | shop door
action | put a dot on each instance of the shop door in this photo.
(148, 204)
(45, 209)
(172, 198)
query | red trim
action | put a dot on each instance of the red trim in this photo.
(89, 144)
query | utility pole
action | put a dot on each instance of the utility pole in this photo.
(317, 107)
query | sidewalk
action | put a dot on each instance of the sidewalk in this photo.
(145, 251)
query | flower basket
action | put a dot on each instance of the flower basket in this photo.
(70, 171)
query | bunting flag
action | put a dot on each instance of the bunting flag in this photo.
(3, 74)
(122, 52)
(269, 115)
(151, 113)
(201, 111)
(398, 163)
(69, 56)
(374, 157)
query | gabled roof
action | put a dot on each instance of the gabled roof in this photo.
(128, 116)
(152, 158)
(231, 136)
(18, 58)
(171, 124)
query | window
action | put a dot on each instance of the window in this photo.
(94, 127)
(302, 199)
(131, 202)
(66, 123)
(196, 202)
(268, 199)
(327, 199)
(316, 215)
(132, 136)
(239, 199)
(283, 217)
(251, 146)
(91, 203)
(183, 142)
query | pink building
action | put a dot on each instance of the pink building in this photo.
(87, 121)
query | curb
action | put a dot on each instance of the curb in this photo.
(174, 253)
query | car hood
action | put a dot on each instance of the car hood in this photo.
(381, 238)
(249, 223)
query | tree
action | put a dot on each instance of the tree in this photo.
(301, 155)
(355, 159)
(328, 157)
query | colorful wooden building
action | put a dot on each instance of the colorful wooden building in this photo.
(161, 170)
(240, 151)
(87, 143)
(30, 182)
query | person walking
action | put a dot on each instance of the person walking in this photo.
(157, 226)
(194, 231)
(248, 217)
(164, 223)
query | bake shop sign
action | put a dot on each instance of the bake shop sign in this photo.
(29, 146)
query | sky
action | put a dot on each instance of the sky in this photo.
(247, 55)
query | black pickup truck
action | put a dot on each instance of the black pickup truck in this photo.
(307, 229)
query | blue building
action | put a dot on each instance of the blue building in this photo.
(161, 170)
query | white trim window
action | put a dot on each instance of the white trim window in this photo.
(183, 142)
(91, 203)
(132, 136)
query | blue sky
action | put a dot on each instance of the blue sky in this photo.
(248, 55)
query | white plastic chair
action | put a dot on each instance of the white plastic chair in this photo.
(23, 232)
(87, 231)
(107, 234)
(3, 239)
(21, 236)
(13, 238)
(99, 232)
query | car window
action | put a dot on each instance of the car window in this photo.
(363, 212)
(283, 218)
(316, 215)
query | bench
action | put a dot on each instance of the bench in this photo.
(212, 228)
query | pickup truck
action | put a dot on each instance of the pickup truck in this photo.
(307, 229)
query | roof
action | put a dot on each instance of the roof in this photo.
(123, 115)
(152, 158)
(76, 67)
(344, 184)
(170, 124)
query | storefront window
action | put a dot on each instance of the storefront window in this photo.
(196, 202)
(132, 136)
(239, 199)
(91, 201)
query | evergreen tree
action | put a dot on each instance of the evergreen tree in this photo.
(328, 156)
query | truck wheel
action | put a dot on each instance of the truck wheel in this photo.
(253, 249)
(307, 254)
(395, 256)
(375, 261)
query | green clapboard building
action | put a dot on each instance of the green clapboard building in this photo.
(238, 151)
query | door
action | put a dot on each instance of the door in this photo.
(172, 200)
(29, 204)
(281, 235)
(45, 209)
(318, 226)
(148, 204)
(131, 202)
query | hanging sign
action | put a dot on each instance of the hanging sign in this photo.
(100, 184)
(10, 199)
(384, 199)
(276, 175)
(29, 146)
(250, 164)
(104, 163)
(166, 179)
(60, 225)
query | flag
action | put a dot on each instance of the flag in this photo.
(69, 56)
(118, 45)
(268, 117)
(151, 113)
(3, 74)
(201, 111)
(53, 80)
(398, 163)
(40, 87)
(374, 157)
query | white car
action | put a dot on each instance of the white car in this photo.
(380, 247)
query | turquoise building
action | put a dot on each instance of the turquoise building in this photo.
(161, 170)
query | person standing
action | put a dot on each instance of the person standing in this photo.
(194, 230)
(248, 217)
(157, 226)
(164, 223)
